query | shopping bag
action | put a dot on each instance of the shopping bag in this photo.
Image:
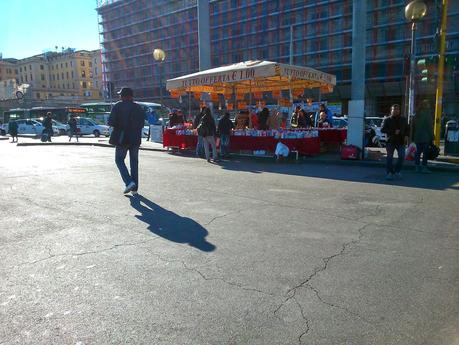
(410, 152)
(350, 152)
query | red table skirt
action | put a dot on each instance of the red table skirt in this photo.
(305, 146)
(332, 135)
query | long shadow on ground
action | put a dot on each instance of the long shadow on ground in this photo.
(372, 175)
(170, 225)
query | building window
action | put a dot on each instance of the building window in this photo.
(31, 77)
(83, 74)
(72, 75)
(67, 75)
(82, 63)
(66, 64)
(57, 76)
(84, 85)
(30, 67)
(42, 67)
(20, 69)
(62, 75)
(71, 63)
(26, 79)
(62, 65)
(90, 64)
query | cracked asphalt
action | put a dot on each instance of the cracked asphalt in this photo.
(244, 252)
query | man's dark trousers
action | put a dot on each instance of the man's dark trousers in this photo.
(120, 155)
(390, 157)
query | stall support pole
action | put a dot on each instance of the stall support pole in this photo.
(189, 105)
(250, 104)
(357, 104)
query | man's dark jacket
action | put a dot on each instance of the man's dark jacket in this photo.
(129, 117)
(225, 125)
(391, 124)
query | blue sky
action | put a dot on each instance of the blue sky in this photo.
(31, 26)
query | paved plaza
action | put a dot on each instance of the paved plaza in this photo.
(244, 252)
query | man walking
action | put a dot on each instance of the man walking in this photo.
(48, 124)
(73, 128)
(127, 119)
(396, 128)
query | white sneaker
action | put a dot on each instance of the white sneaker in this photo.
(389, 177)
(129, 187)
(134, 192)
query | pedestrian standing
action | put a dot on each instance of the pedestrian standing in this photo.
(423, 136)
(396, 128)
(263, 117)
(127, 119)
(152, 119)
(225, 125)
(13, 130)
(275, 120)
(208, 130)
(73, 128)
(200, 143)
(48, 124)
(328, 112)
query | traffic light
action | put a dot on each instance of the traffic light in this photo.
(427, 67)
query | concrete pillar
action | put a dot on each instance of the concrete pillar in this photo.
(357, 103)
(204, 34)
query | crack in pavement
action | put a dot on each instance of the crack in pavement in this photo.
(51, 255)
(203, 276)
(225, 281)
(308, 328)
(222, 216)
(276, 204)
(291, 293)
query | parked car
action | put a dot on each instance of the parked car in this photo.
(90, 127)
(25, 127)
(375, 123)
(340, 122)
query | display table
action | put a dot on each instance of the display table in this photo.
(304, 146)
(332, 135)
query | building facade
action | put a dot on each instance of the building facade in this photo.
(69, 75)
(261, 30)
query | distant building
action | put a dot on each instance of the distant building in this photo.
(67, 75)
(260, 30)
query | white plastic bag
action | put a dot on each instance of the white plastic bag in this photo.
(282, 150)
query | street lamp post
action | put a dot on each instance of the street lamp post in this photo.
(414, 12)
(159, 55)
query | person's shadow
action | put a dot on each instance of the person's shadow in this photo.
(170, 225)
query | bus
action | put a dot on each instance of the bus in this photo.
(59, 114)
(100, 111)
(15, 114)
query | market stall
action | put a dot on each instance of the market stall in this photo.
(262, 142)
(233, 84)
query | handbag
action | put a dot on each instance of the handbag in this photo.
(117, 138)
(202, 130)
(433, 152)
